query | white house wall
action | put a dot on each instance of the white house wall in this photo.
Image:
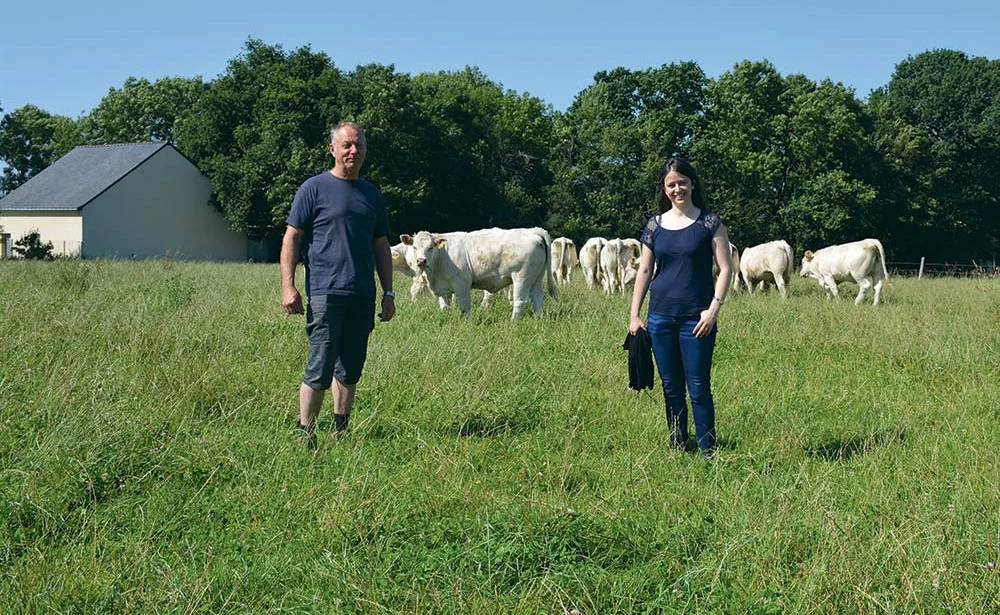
(63, 228)
(160, 209)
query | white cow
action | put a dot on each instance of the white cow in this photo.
(564, 258)
(635, 246)
(769, 262)
(615, 258)
(419, 283)
(489, 259)
(848, 262)
(590, 261)
(734, 256)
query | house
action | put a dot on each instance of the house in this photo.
(131, 200)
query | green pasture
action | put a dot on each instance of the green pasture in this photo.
(148, 462)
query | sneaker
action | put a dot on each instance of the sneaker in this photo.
(708, 454)
(677, 442)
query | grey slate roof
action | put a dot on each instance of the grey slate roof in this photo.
(80, 176)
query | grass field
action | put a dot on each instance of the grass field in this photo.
(148, 462)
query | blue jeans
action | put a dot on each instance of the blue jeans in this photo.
(682, 358)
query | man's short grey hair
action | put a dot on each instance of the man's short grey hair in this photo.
(338, 126)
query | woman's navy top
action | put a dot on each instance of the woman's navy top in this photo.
(682, 283)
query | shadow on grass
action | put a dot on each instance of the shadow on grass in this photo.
(842, 449)
(486, 425)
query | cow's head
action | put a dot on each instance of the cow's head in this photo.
(399, 262)
(808, 268)
(631, 270)
(423, 249)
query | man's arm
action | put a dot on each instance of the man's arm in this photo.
(291, 300)
(383, 266)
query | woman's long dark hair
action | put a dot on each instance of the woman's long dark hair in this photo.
(682, 166)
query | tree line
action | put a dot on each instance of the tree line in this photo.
(917, 164)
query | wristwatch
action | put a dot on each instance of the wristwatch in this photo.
(389, 294)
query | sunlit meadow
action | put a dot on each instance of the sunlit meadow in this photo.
(148, 459)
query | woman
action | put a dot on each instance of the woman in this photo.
(684, 301)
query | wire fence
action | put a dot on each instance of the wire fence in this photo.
(943, 270)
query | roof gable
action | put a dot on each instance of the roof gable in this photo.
(80, 176)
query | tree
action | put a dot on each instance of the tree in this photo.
(491, 148)
(787, 158)
(938, 129)
(30, 140)
(743, 150)
(142, 111)
(400, 155)
(260, 130)
(611, 143)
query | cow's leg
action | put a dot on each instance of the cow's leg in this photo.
(487, 299)
(878, 290)
(830, 285)
(520, 297)
(538, 294)
(416, 285)
(444, 302)
(464, 299)
(782, 285)
(863, 285)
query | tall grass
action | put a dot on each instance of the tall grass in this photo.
(148, 462)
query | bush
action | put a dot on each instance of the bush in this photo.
(30, 246)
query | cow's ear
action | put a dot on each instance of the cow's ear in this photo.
(440, 243)
(808, 255)
(407, 239)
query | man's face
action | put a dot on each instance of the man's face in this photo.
(348, 149)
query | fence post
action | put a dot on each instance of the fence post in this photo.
(920, 275)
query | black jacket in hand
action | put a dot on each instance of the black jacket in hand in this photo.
(640, 360)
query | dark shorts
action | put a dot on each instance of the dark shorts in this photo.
(338, 329)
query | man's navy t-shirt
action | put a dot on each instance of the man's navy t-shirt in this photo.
(341, 218)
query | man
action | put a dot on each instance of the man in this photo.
(342, 221)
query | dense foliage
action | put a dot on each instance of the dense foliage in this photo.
(916, 164)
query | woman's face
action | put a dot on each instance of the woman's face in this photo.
(678, 188)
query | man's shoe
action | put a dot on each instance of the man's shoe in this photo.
(306, 438)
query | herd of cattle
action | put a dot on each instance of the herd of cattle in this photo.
(527, 261)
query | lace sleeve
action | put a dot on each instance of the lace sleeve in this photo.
(646, 238)
(712, 223)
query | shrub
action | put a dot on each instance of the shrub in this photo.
(30, 246)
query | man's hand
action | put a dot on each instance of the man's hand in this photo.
(291, 300)
(388, 308)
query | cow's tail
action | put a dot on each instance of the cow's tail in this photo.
(558, 256)
(789, 262)
(881, 258)
(551, 281)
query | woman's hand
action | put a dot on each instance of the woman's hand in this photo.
(634, 324)
(706, 323)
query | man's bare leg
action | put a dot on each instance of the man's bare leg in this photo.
(343, 401)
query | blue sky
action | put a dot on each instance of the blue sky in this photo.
(63, 57)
